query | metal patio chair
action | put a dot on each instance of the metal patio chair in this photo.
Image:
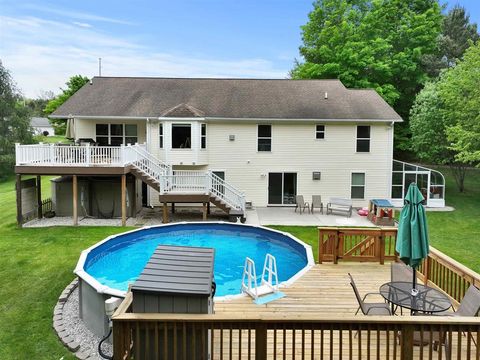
(301, 204)
(369, 308)
(316, 203)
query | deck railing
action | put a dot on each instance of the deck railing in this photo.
(378, 244)
(356, 244)
(290, 336)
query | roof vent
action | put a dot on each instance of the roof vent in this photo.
(91, 81)
(326, 95)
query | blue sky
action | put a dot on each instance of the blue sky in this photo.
(43, 43)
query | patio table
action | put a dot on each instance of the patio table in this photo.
(427, 300)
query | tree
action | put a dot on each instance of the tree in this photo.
(14, 122)
(37, 105)
(73, 85)
(460, 90)
(457, 34)
(429, 132)
(375, 44)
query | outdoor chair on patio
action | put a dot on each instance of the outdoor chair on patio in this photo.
(400, 272)
(379, 308)
(317, 203)
(469, 306)
(301, 204)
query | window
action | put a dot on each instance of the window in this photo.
(160, 135)
(358, 186)
(116, 134)
(203, 137)
(264, 138)
(181, 136)
(363, 138)
(320, 132)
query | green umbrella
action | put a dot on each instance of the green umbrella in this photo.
(412, 238)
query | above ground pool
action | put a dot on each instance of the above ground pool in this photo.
(111, 265)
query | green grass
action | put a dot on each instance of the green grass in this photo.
(36, 264)
(52, 139)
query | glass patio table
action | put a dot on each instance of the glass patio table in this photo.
(426, 300)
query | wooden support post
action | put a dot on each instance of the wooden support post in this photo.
(39, 197)
(320, 246)
(260, 342)
(406, 342)
(173, 208)
(165, 213)
(381, 247)
(75, 200)
(18, 188)
(204, 211)
(124, 199)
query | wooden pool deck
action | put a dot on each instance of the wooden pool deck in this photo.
(325, 291)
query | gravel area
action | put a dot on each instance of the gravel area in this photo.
(77, 329)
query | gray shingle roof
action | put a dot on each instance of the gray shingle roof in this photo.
(226, 98)
(39, 121)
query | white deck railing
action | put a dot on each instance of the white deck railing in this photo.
(178, 181)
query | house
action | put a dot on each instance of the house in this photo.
(41, 126)
(233, 142)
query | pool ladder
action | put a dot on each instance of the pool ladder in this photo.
(267, 285)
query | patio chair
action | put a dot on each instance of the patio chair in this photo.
(301, 204)
(436, 338)
(379, 308)
(469, 306)
(316, 203)
(400, 272)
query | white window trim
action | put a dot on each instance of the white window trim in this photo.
(271, 139)
(161, 144)
(203, 136)
(364, 185)
(109, 135)
(171, 136)
(324, 132)
(369, 141)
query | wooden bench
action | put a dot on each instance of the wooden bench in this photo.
(340, 205)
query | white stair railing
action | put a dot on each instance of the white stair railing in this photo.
(226, 192)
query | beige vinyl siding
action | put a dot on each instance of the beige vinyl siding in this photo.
(295, 149)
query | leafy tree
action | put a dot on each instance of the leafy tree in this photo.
(429, 132)
(14, 122)
(37, 105)
(73, 85)
(460, 90)
(457, 34)
(372, 44)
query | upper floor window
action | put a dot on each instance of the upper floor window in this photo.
(363, 138)
(160, 135)
(116, 134)
(319, 131)
(181, 136)
(203, 137)
(264, 138)
(358, 186)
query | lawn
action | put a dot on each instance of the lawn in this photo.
(37, 264)
(52, 139)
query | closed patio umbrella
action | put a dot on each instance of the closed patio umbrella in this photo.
(70, 130)
(412, 238)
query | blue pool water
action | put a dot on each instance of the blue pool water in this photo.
(120, 260)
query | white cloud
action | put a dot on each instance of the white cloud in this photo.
(76, 14)
(43, 54)
(82, 24)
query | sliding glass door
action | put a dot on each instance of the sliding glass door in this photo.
(282, 188)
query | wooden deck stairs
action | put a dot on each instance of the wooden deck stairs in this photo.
(182, 186)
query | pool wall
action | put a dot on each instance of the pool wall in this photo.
(92, 294)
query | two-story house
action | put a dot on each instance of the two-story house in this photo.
(232, 141)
